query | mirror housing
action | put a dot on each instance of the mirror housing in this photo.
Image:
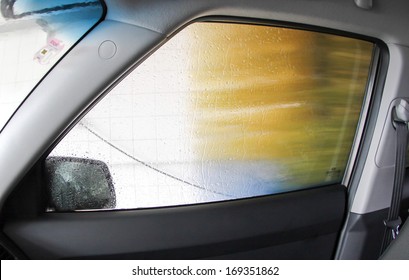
(78, 184)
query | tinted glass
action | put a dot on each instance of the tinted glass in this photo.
(225, 111)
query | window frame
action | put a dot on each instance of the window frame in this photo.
(366, 122)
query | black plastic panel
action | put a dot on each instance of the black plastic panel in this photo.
(364, 236)
(298, 225)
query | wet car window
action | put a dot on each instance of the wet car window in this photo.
(226, 111)
(34, 35)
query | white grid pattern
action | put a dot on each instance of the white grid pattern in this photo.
(19, 73)
(145, 116)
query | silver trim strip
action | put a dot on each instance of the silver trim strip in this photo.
(363, 118)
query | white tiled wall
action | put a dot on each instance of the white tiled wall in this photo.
(19, 72)
(145, 118)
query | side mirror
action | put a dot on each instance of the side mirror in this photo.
(78, 184)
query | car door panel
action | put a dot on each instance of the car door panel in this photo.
(298, 225)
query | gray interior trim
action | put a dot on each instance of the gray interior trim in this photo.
(376, 181)
(385, 153)
(379, 22)
(64, 93)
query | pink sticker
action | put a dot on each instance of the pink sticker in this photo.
(46, 53)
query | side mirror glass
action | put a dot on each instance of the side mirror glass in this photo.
(78, 184)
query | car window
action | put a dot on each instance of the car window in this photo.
(34, 35)
(226, 111)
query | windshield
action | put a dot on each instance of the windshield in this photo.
(34, 35)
